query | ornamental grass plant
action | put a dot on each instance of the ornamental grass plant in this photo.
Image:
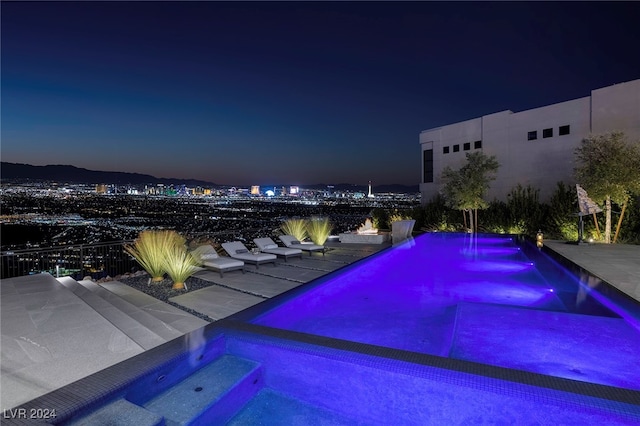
(180, 264)
(319, 229)
(150, 249)
(295, 227)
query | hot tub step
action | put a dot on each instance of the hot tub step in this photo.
(270, 407)
(211, 395)
(120, 413)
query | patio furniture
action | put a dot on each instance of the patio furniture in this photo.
(237, 250)
(210, 259)
(267, 245)
(291, 242)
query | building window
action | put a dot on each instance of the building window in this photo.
(467, 146)
(477, 145)
(532, 136)
(427, 165)
(547, 133)
(445, 150)
(564, 130)
(456, 148)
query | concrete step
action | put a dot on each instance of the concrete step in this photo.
(120, 413)
(160, 328)
(290, 411)
(168, 314)
(212, 395)
(119, 316)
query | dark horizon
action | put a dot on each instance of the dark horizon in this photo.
(245, 93)
(73, 174)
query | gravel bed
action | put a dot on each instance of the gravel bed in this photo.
(162, 290)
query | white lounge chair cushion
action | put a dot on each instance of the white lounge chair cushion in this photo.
(290, 241)
(284, 251)
(233, 247)
(223, 263)
(250, 257)
(267, 245)
(204, 252)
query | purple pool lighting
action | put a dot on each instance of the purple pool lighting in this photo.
(479, 299)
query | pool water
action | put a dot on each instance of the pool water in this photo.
(243, 378)
(488, 299)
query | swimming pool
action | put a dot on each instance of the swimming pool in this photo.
(488, 299)
(443, 329)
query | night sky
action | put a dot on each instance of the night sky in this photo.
(293, 93)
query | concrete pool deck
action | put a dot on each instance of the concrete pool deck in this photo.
(617, 264)
(57, 331)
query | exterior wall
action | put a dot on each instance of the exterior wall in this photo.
(539, 162)
(617, 107)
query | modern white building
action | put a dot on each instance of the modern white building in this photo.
(534, 147)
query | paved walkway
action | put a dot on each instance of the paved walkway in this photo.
(237, 291)
(617, 264)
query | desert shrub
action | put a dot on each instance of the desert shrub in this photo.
(443, 225)
(380, 218)
(180, 264)
(398, 215)
(319, 229)
(525, 211)
(150, 249)
(436, 216)
(522, 213)
(561, 221)
(495, 218)
(295, 227)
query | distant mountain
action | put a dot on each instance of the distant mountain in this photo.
(396, 188)
(72, 174)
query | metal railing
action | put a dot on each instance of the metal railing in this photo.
(77, 261)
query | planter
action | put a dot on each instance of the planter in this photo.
(379, 238)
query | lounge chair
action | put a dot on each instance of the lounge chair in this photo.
(209, 258)
(267, 245)
(291, 242)
(237, 250)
